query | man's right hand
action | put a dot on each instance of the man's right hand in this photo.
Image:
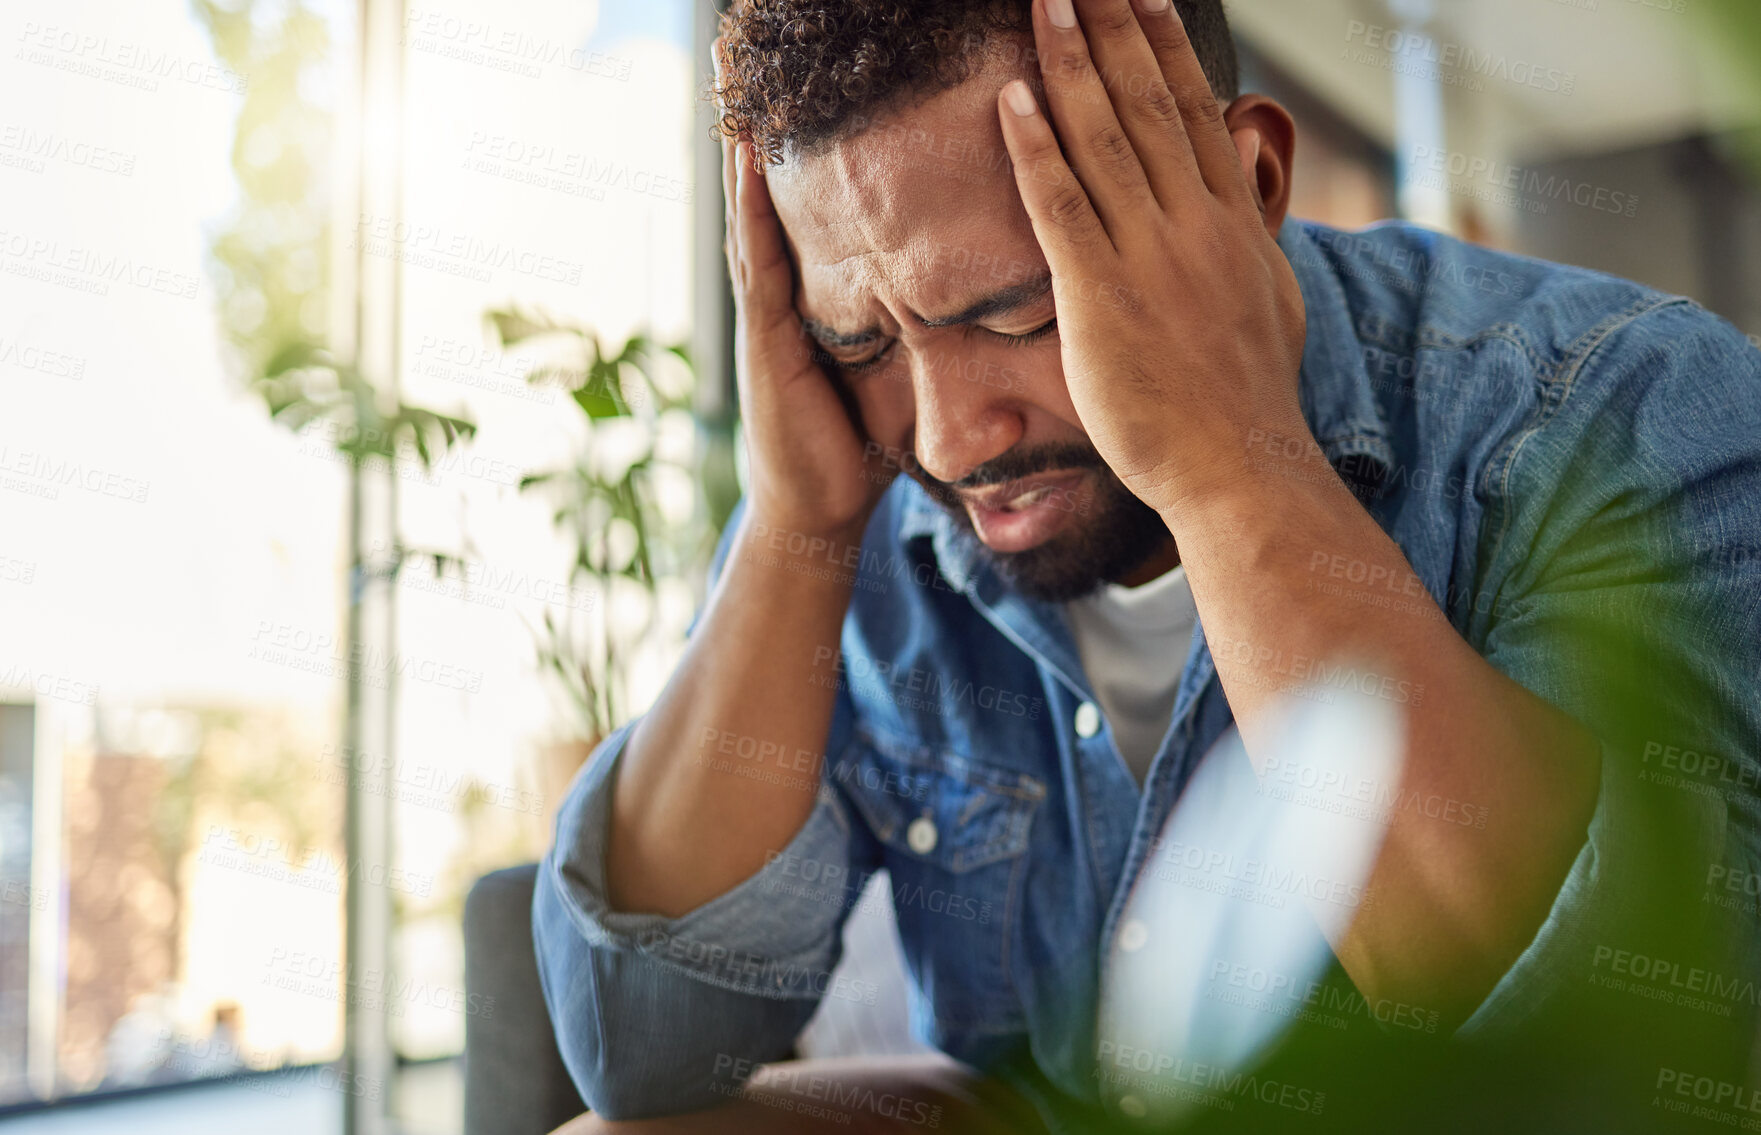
(686, 826)
(811, 469)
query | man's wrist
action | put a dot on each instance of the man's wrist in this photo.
(830, 555)
(1271, 471)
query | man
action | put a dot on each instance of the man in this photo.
(1036, 258)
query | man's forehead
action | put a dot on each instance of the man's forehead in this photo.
(922, 203)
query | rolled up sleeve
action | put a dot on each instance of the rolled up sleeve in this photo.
(1606, 904)
(658, 1015)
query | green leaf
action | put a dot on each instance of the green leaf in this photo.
(512, 326)
(568, 377)
(597, 401)
(299, 355)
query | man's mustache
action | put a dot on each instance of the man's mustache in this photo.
(1015, 465)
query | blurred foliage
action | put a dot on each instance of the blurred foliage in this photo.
(271, 264)
(608, 504)
(1731, 31)
(303, 385)
(259, 771)
(272, 269)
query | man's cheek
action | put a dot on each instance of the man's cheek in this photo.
(886, 408)
(1035, 379)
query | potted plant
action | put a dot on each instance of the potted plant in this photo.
(630, 508)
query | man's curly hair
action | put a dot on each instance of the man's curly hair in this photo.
(804, 73)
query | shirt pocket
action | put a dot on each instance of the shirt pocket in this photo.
(954, 837)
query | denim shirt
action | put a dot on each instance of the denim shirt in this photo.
(1570, 462)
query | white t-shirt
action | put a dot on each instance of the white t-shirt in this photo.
(1133, 642)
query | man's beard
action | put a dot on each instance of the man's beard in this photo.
(1118, 534)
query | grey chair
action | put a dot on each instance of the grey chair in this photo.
(515, 1081)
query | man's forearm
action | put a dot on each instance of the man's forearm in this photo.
(686, 826)
(1453, 903)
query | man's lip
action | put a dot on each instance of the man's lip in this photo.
(1008, 531)
(996, 498)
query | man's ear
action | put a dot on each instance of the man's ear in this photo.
(1265, 137)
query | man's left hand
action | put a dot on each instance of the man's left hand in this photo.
(1181, 320)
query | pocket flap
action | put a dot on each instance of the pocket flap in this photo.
(935, 805)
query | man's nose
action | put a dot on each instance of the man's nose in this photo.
(961, 423)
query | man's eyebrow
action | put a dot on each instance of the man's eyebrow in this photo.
(998, 303)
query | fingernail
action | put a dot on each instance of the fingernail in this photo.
(1020, 99)
(1060, 13)
(1154, 5)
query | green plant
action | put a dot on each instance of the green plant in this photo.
(303, 385)
(270, 260)
(270, 256)
(612, 504)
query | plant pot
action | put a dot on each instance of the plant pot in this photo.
(558, 762)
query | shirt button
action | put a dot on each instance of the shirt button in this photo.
(1133, 936)
(1133, 1107)
(1088, 720)
(921, 835)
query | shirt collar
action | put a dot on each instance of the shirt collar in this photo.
(1337, 398)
